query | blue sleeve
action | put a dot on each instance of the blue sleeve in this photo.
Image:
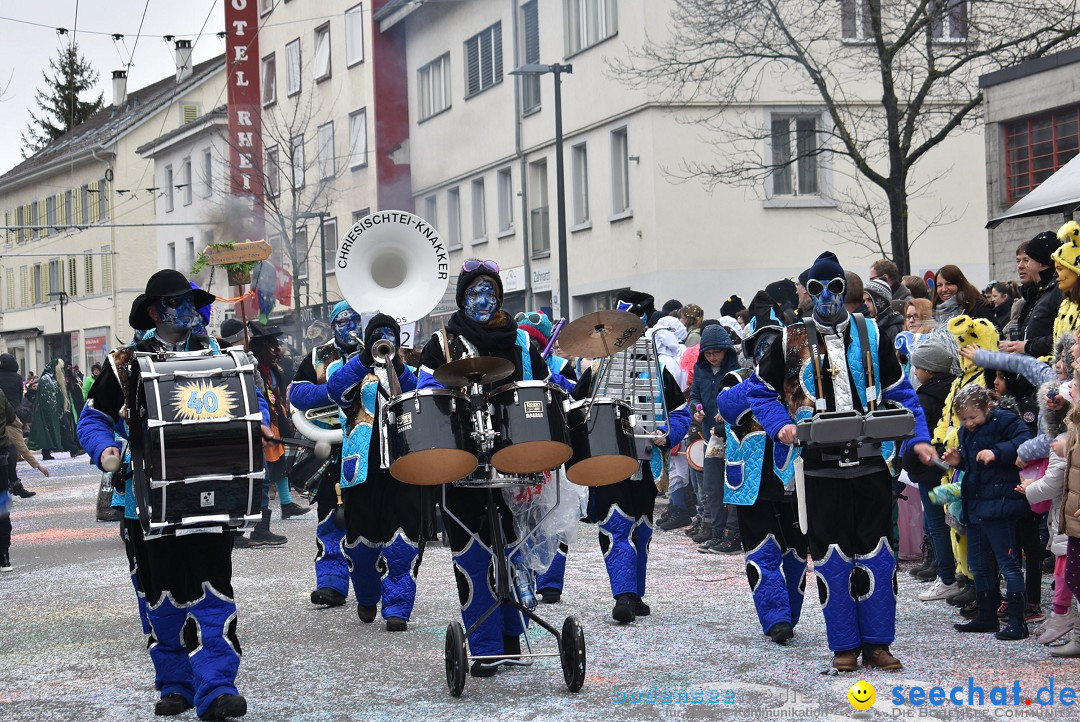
(562, 382)
(765, 403)
(1031, 368)
(1037, 447)
(306, 395)
(1016, 433)
(96, 432)
(902, 393)
(264, 408)
(407, 379)
(341, 385)
(678, 424)
(424, 380)
(732, 403)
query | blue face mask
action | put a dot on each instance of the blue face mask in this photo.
(481, 301)
(347, 329)
(178, 312)
(384, 333)
(828, 297)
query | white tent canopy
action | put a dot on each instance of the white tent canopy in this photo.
(1060, 193)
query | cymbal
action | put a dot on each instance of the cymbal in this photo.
(601, 333)
(473, 370)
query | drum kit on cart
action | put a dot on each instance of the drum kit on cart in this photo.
(197, 411)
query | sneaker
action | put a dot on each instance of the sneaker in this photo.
(940, 590)
(1033, 613)
(241, 542)
(293, 509)
(694, 528)
(5, 562)
(677, 520)
(266, 538)
(964, 598)
(1056, 627)
(730, 544)
(711, 546)
(704, 534)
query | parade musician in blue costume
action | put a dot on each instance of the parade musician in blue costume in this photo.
(308, 391)
(187, 579)
(625, 509)
(754, 482)
(481, 328)
(848, 488)
(385, 519)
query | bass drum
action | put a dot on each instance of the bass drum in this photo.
(430, 437)
(602, 437)
(531, 425)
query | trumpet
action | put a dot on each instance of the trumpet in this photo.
(383, 351)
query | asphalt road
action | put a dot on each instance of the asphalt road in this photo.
(71, 647)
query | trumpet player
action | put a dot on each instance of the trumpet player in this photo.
(383, 516)
(306, 392)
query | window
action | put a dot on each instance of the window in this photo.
(103, 200)
(322, 52)
(949, 19)
(9, 284)
(56, 277)
(855, 20)
(36, 291)
(269, 80)
(588, 22)
(358, 138)
(620, 172)
(50, 214)
(483, 59)
(272, 171)
(505, 190)
(106, 269)
(88, 272)
(479, 211)
(1036, 147)
(35, 220)
(208, 173)
(579, 172)
(186, 180)
(433, 87)
(300, 252)
(88, 210)
(265, 6)
(168, 189)
(72, 276)
(170, 256)
(530, 30)
(326, 150)
(20, 221)
(189, 113)
(431, 211)
(189, 255)
(795, 153)
(24, 284)
(292, 68)
(354, 35)
(329, 244)
(453, 223)
(539, 222)
(69, 208)
(297, 177)
(362, 213)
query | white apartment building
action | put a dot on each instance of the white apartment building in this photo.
(90, 203)
(483, 163)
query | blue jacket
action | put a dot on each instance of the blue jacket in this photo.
(707, 383)
(989, 490)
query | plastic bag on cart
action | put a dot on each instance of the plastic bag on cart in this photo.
(544, 532)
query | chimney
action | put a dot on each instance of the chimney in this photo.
(119, 88)
(183, 60)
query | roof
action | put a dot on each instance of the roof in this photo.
(1030, 67)
(111, 122)
(205, 119)
(1060, 193)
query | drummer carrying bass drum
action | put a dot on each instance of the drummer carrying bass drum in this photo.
(187, 578)
(384, 518)
(481, 328)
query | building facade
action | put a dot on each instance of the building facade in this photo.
(84, 212)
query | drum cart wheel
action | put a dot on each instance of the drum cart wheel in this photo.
(572, 654)
(457, 665)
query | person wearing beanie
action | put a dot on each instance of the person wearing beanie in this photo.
(187, 578)
(671, 307)
(384, 517)
(1040, 298)
(731, 306)
(848, 486)
(308, 391)
(878, 299)
(480, 327)
(625, 509)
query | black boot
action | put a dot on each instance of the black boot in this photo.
(927, 559)
(226, 706)
(261, 536)
(1017, 628)
(624, 608)
(986, 620)
(16, 487)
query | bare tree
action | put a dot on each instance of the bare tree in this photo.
(894, 79)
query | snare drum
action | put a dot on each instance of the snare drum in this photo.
(695, 455)
(530, 421)
(603, 441)
(430, 437)
(197, 453)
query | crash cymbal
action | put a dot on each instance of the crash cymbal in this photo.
(474, 370)
(600, 334)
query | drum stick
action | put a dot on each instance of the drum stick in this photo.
(554, 335)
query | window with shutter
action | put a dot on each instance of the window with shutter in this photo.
(106, 269)
(24, 286)
(88, 271)
(7, 233)
(530, 84)
(189, 112)
(73, 287)
(483, 56)
(9, 282)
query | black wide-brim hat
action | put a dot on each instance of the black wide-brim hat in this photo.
(750, 342)
(164, 284)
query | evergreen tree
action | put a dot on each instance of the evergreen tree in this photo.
(58, 101)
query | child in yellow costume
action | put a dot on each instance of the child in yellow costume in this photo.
(1067, 264)
(965, 331)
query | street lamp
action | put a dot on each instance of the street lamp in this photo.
(321, 215)
(64, 340)
(560, 191)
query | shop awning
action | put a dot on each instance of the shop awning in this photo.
(1060, 193)
(17, 333)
